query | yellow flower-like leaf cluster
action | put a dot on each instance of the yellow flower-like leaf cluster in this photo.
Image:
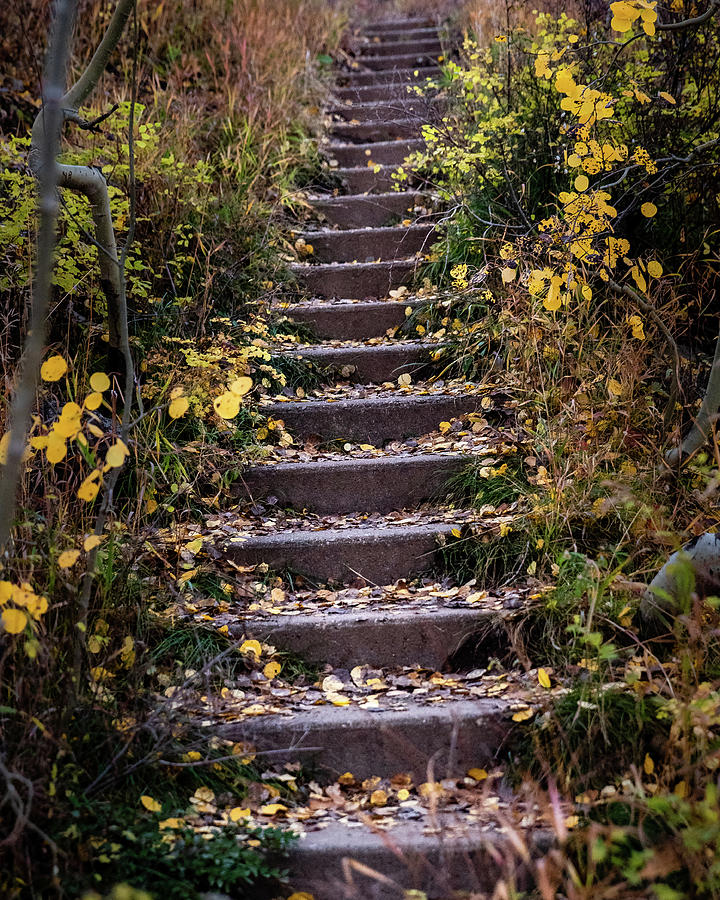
(20, 606)
(626, 12)
(587, 104)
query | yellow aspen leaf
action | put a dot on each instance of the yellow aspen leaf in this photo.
(94, 644)
(403, 794)
(544, 678)
(542, 68)
(92, 401)
(430, 789)
(251, 647)
(571, 821)
(116, 454)
(346, 778)
(92, 541)
(178, 407)
(150, 506)
(636, 323)
(272, 669)
(378, 798)
(337, 699)
(648, 764)
(648, 209)
(445, 427)
(301, 895)
(405, 378)
(582, 182)
(654, 268)
(552, 302)
(238, 813)
(668, 97)
(99, 382)
(88, 490)
(522, 715)
(53, 369)
(272, 809)
(68, 558)
(94, 430)
(456, 532)
(56, 448)
(638, 278)
(171, 823)
(508, 274)
(14, 620)
(614, 387)
(5, 444)
(150, 804)
(194, 546)
(478, 774)
(227, 405)
(681, 789)
(241, 386)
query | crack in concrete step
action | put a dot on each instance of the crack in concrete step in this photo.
(379, 555)
(380, 484)
(371, 420)
(368, 244)
(352, 321)
(368, 211)
(457, 735)
(354, 279)
(382, 153)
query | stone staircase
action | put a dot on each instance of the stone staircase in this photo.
(384, 525)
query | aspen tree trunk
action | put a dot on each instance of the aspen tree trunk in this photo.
(60, 105)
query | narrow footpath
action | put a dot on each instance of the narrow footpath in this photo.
(437, 732)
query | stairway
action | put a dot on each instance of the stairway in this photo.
(368, 521)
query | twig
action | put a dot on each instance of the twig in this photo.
(650, 311)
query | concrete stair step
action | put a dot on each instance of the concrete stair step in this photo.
(385, 153)
(354, 279)
(404, 107)
(394, 33)
(424, 636)
(390, 91)
(457, 735)
(363, 132)
(371, 363)
(416, 59)
(373, 420)
(351, 321)
(427, 44)
(412, 22)
(374, 211)
(378, 554)
(378, 484)
(364, 179)
(369, 244)
(454, 854)
(399, 78)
